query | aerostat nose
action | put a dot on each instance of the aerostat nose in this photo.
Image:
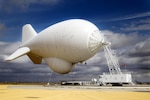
(95, 41)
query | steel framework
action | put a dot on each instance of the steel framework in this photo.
(112, 61)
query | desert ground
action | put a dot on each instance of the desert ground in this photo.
(39, 92)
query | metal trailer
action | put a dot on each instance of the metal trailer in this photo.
(115, 79)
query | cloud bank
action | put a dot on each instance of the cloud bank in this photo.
(132, 50)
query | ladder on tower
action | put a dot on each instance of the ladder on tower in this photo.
(112, 61)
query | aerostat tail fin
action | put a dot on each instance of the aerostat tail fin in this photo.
(27, 33)
(20, 52)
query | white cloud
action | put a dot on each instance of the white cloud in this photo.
(137, 28)
(26, 3)
(124, 18)
(10, 5)
(99, 58)
(120, 40)
(2, 27)
(8, 47)
(142, 76)
(141, 49)
(145, 21)
(136, 61)
(146, 14)
(140, 25)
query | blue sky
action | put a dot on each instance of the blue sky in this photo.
(126, 21)
(106, 14)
